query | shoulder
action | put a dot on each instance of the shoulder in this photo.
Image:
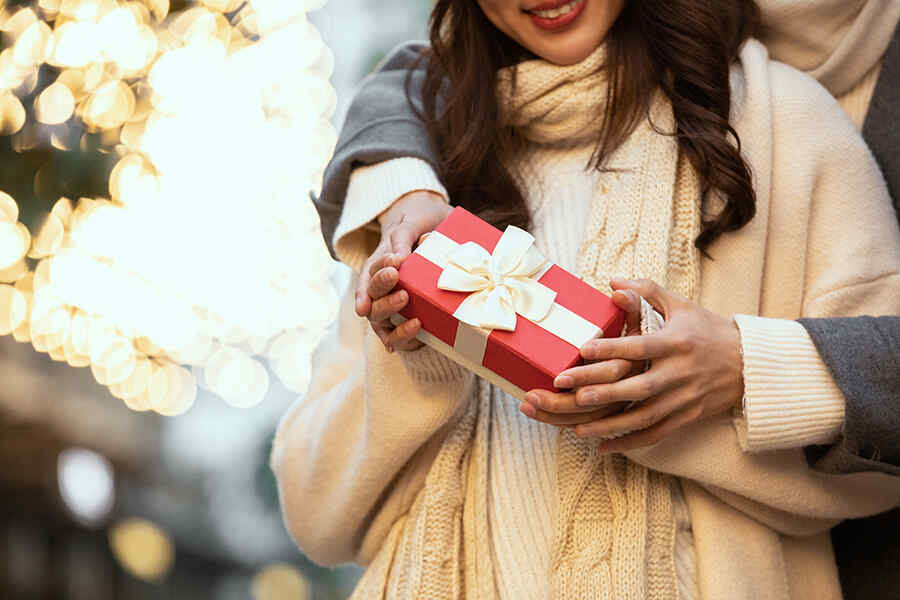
(794, 109)
(404, 57)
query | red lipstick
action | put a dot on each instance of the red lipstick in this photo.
(559, 22)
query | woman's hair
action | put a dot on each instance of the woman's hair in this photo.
(683, 47)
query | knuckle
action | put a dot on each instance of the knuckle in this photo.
(620, 369)
(646, 388)
(584, 395)
(682, 343)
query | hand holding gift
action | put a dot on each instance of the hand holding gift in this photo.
(410, 217)
(696, 373)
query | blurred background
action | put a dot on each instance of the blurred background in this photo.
(100, 502)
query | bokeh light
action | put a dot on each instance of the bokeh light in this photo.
(204, 264)
(86, 484)
(142, 548)
(280, 581)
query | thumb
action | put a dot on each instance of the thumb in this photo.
(630, 302)
(659, 298)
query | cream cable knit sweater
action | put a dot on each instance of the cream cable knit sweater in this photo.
(352, 458)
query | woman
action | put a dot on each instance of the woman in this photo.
(435, 479)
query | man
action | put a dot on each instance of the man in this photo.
(833, 40)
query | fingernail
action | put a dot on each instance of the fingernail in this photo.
(528, 410)
(358, 301)
(401, 298)
(564, 381)
(532, 398)
(587, 399)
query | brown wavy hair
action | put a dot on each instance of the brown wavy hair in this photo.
(683, 47)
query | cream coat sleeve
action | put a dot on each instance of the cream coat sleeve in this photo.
(836, 213)
(351, 456)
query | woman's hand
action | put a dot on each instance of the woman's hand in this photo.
(575, 408)
(410, 217)
(696, 373)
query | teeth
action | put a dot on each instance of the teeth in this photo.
(557, 12)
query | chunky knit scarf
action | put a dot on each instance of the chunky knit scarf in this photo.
(614, 529)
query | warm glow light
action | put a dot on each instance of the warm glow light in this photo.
(280, 582)
(206, 263)
(142, 548)
(55, 104)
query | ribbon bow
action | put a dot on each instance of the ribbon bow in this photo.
(503, 282)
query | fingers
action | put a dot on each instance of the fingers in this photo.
(608, 371)
(630, 302)
(382, 282)
(660, 298)
(631, 389)
(380, 258)
(403, 337)
(569, 419)
(556, 403)
(634, 347)
(641, 417)
(384, 307)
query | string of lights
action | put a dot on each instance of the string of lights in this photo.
(204, 262)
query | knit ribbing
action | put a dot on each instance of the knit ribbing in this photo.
(791, 398)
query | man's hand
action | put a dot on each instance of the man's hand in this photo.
(696, 372)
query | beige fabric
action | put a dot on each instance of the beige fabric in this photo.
(612, 515)
(791, 398)
(352, 458)
(545, 102)
(835, 41)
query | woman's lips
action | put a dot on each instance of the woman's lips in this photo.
(554, 24)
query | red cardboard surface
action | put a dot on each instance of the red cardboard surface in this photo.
(529, 357)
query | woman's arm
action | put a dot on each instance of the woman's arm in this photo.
(380, 125)
(353, 453)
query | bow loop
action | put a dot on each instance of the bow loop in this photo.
(502, 282)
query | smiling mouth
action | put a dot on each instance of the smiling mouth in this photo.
(555, 12)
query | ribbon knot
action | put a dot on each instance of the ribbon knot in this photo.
(502, 283)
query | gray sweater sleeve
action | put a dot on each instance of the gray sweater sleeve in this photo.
(863, 354)
(380, 125)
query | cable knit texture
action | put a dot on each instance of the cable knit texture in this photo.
(384, 466)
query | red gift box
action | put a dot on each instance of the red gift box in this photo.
(538, 348)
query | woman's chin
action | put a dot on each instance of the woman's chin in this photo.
(566, 52)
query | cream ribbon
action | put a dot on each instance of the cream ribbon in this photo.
(503, 282)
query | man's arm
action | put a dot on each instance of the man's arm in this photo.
(380, 125)
(863, 355)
